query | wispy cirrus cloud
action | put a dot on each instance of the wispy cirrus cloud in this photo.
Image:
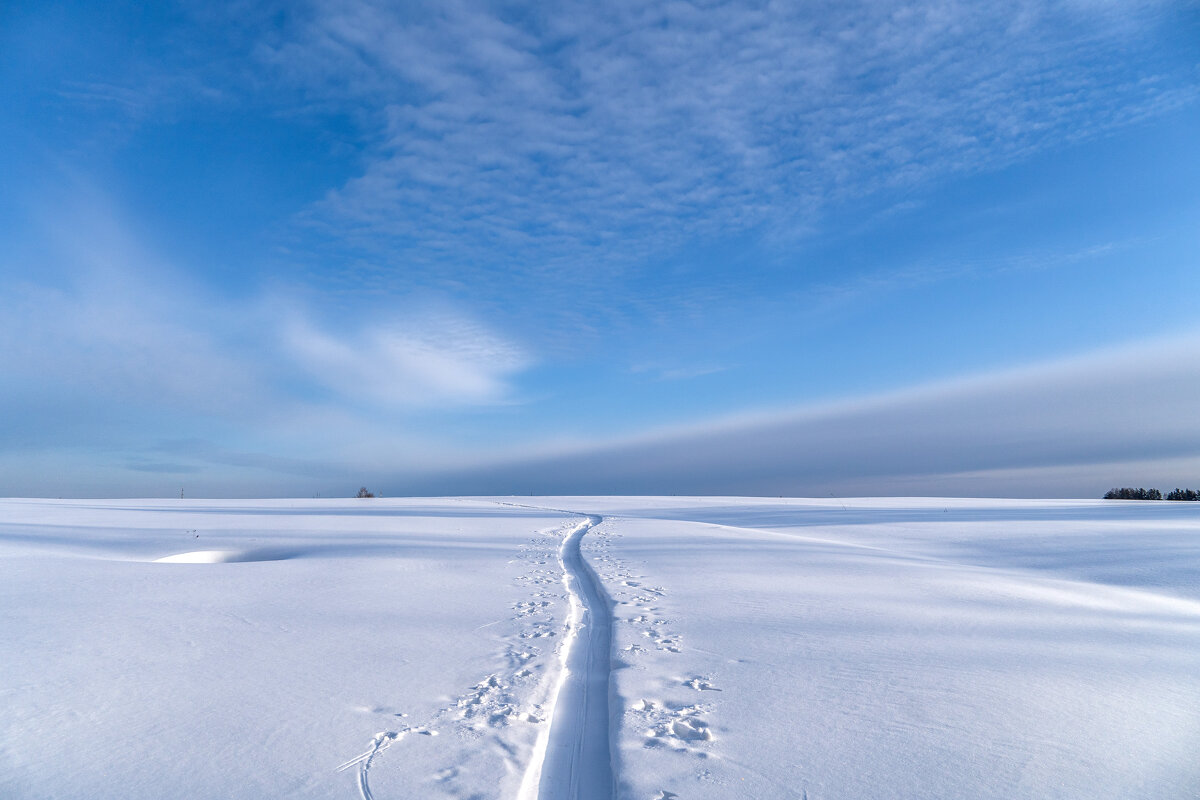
(677, 373)
(110, 347)
(424, 362)
(583, 137)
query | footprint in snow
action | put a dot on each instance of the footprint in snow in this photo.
(690, 730)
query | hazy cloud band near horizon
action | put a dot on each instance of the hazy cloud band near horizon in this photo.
(1118, 416)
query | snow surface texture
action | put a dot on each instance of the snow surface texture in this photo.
(578, 647)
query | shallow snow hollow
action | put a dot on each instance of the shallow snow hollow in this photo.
(225, 556)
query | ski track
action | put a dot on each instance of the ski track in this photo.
(572, 758)
(576, 763)
(382, 741)
(364, 767)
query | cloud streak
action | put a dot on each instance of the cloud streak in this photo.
(112, 355)
(1130, 409)
(423, 363)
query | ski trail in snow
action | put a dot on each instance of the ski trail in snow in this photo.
(382, 742)
(573, 757)
(364, 766)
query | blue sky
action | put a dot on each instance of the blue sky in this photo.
(282, 249)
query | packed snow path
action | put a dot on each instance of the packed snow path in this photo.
(577, 763)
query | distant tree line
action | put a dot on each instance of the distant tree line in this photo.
(1133, 494)
(1150, 494)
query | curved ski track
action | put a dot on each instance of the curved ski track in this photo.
(572, 759)
(576, 762)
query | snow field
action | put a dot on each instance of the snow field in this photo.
(900, 649)
(334, 629)
(454, 648)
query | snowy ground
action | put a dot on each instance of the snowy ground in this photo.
(713, 648)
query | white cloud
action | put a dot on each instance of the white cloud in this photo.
(113, 357)
(578, 135)
(99, 326)
(430, 362)
(677, 373)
